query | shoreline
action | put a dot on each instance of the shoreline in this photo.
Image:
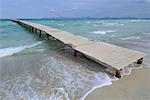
(93, 89)
(131, 87)
(15, 68)
(93, 93)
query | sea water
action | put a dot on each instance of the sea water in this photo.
(54, 75)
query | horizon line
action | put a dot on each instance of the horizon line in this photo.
(61, 18)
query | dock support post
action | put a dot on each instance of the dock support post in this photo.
(35, 31)
(140, 61)
(32, 29)
(40, 33)
(28, 27)
(119, 73)
(47, 35)
(75, 52)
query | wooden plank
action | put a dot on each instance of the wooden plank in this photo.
(112, 56)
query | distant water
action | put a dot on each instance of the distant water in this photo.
(13, 36)
(67, 81)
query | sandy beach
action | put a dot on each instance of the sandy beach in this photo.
(133, 87)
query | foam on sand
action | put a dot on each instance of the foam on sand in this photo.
(106, 81)
(12, 50)
(56, 80)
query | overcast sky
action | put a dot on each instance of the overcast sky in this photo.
(74, 8)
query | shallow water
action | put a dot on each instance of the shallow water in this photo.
(34, 68)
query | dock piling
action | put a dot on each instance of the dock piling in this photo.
(140, 61)
(75, 52)
(40, 33)
(47, 35)
(35, 30)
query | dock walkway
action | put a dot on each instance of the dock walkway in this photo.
(111, 56)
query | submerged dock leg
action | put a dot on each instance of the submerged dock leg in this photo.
(32, 29)
(47, 36)
(75, 52)
(119, 73)
(40, 33)
(35, 31)
(140, 61)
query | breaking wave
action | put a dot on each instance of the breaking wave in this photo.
(103, 32)
(12, 50)
(131, 37)
(112, 24)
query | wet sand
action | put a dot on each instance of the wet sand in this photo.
(132, 87)
(48, 75)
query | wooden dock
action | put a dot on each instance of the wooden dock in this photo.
(111, 56)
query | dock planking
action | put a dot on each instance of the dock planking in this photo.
(111, 56)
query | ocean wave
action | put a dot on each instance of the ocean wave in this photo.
(89, 22)
(138, 20)
(112, 24)
(95, 25)
(131, 37)
(61, 24)
(103, 32)
(12, 50)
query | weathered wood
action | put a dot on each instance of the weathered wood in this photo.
(111, 56)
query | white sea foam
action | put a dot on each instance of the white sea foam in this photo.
(12, 50)
(61, 24)
(136, 20)
(131, 37)
(112, 24)
(103, 32)
(77, 81)
(57, 81)
(106, 81)
(89, 22)
(25, 87)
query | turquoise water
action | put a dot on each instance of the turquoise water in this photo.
(34, 68)
(13, 35)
